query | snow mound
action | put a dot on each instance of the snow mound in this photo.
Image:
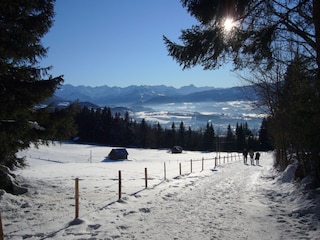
(289, 173)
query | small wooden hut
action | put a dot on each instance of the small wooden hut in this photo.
(118, 153)
(176, 149)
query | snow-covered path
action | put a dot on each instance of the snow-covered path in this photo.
(233, 201)
(224, 205)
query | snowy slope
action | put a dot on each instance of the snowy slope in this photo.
(232, 201)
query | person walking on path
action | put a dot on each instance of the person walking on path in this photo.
(251, 153)
(257, 158)
(245, 156)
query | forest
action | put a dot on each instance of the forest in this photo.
(102, 127)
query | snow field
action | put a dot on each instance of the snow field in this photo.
(233, 201)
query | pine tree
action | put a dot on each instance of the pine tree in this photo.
(263, 32)
(295, 114)
(173, 134)
(230, 139)
(265, 135)
(181, 135)
(143, 133)
(208, 138)
(241, 138)
(159, 135)
(23, 84)
(264, 38)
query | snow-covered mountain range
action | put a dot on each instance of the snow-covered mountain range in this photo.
(195, 106)
(135, 95)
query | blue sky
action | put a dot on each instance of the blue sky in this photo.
(119, 43)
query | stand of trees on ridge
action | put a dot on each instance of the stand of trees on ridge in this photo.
(100, 126)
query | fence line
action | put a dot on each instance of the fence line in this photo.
(78, 196)
(147, 176)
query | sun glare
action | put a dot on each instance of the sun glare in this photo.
(228, 24)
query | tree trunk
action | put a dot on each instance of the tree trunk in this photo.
(316, 20)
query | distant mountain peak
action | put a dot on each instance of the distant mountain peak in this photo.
(133, 94)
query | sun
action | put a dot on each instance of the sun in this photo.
(228, 24)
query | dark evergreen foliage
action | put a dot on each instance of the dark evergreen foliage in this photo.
(100, 126)
(207, 11)
(265, 137)
(268, 36)
(295, 113)
(209, 138)
(23, 84)
(264, 32)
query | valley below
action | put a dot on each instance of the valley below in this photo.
(194, 106)
(198, 114)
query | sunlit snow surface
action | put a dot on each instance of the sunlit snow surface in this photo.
(197, 115)
(231, 201)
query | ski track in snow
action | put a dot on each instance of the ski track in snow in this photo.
(233, 201)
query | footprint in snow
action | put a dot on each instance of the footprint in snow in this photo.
(144, 210)
(94, 226)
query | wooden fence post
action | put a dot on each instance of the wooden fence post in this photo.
(77, 197)
(119, 184)
(165, 171)
(202, 163)
(90, 158)
(180, 169)
(191, 166)
(146, 177)
(1, 229)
